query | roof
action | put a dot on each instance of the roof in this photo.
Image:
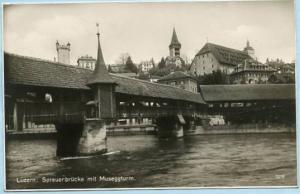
(127, 74)
(213, 93)
(175, 76)
(29, 71)
(100, 75)
(86, 57)
(224, 55)
(251, 65)
(174, 41)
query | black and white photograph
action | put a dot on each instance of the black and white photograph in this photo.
(149, 95)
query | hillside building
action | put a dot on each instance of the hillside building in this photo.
(251, 72)
(87, 62)
(213, 57)
(181, 80)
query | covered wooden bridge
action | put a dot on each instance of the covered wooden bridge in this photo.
(43, 92)
(252, 102)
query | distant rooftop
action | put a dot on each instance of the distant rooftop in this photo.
(176, 75)
(223, 54)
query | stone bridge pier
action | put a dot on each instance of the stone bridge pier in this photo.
(88, 138)
(68, 136)
(173, 126)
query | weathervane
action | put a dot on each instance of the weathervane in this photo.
(98, 34)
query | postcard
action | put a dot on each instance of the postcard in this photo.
(156, 95)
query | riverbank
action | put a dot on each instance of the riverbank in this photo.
(150, 129)
(241, 129)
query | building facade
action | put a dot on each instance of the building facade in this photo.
(251, 72)
(63, 53)
(214, 57)
(181, 80)
(87, 62)
(145, 66)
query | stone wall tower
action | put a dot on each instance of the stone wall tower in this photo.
(249, 50)
(63, 53)
(175, 45)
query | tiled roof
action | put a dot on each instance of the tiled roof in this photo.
(100, 74)
(175, 76)
(174, 41)
(224, 55)
(213, 93)
(37, 72)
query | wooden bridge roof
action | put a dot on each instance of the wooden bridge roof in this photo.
(246, 92)
(22, 70)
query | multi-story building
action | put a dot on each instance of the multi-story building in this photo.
(180, 79)
(214, 57)
(87, 62)
(251, 72)
(63, 53)
(145, 66)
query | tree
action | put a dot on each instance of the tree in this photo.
(122, 59)
(162, 63)
(216, 77)
(130, 66)
(186, 59)
(109, 69)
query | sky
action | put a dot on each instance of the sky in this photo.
(144, 30)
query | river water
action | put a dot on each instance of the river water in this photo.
(146, 161)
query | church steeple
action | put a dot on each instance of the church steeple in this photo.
(175, 45)
(100, 74)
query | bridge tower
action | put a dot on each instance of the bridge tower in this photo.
(101, 110)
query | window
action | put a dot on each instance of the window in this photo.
(48, 97)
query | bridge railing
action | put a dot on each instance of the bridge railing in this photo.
(126, 112)
(50, 113)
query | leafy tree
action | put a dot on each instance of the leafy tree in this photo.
(122, 59)
(130, 66)
(216, 77)
(162, 63)
(109, 69)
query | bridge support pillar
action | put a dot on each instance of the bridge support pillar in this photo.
(18, 117)
(93, 139)
(68, 136)
(170, 126)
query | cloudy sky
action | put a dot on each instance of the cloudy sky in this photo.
(144, 29)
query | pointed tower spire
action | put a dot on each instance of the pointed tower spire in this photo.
(174, 41)
(100, 74)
